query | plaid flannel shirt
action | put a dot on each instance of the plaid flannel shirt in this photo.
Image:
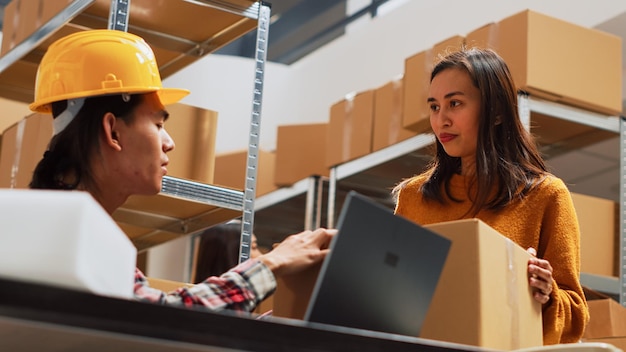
(239, 289)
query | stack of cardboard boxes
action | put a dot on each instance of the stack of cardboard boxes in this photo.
(607, 323)
(542, 62)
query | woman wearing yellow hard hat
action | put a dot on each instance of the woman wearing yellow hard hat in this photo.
(104, 91)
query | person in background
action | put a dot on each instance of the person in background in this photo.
(105, 94)
(218, 249)
(487, 166)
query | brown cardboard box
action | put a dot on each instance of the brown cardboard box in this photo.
(598, 219)
(22, 147)
(9, 26)
(293, 293)
(484, 37)
(417, 69)
(24, 17)
(607, 319)
(12, 112)
(166, 285)
(50, 8)
(230, 170)
(300, 152)
(543, 61)
(482, 299)
(350, 128)
(388, 106)
(193, 130)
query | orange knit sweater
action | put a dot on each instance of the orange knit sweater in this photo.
(545, 220)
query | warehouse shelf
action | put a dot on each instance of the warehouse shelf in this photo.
(558, 128)
(180, 32)
(183, 207)
(607, 284)
(291, 209)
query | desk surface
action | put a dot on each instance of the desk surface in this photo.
(39, 317)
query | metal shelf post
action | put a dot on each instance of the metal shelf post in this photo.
(312, 216)
(247, 223)
(622, 212)
(118, 18)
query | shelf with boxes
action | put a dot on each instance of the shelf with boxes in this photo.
(180, 32)
(286, 202)
(567, 106)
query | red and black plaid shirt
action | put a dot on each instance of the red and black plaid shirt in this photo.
(239, 289)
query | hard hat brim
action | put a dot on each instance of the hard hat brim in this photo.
(167, 96)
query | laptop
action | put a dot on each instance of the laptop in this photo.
(381, 272)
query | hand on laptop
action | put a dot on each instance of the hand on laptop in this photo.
(298, 252)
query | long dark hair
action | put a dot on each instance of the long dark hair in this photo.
(507, 157)
(66, 163)
(218, 250)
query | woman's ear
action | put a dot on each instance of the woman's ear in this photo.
(109, 128)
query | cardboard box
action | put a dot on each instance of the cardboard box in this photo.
(22, 147)
(230, 170)
(482, 299)
(388, 106)
(12, 112)
(484, 37)
(350, 128)
(293, 293)
(23, 17)
(166, 285)
(193, 130)
(9, 26)
(598, 219)
(417, 70)
(543, 61)
(607, 319)
(49, 9)
(300, 152)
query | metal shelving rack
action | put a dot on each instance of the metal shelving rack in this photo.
(311, 187)
(622, 212)
(210, 204)
(527, 105)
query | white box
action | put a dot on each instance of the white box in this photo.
(64, 238)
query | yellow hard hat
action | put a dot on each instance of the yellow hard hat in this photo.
(99, 62)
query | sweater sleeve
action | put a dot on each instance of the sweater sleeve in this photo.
(566, 315)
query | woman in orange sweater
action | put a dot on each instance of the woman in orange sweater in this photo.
(487, 166)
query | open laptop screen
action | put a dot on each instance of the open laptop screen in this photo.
(381, 272)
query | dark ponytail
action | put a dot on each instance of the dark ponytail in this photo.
(66, 163)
